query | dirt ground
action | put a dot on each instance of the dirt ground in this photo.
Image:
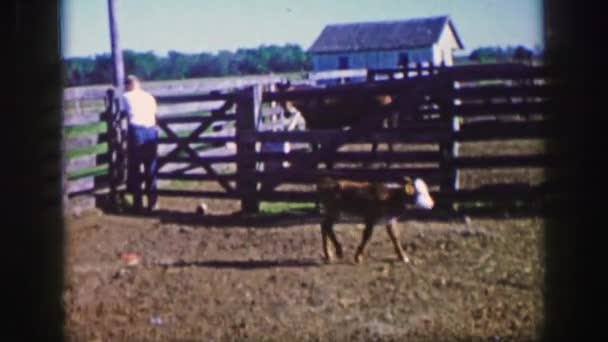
(211, 279)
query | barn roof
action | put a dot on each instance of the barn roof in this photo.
(382, 35)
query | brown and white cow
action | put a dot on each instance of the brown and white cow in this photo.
(374, 203)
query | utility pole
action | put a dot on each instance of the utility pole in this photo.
(117, 126)
(119, 70)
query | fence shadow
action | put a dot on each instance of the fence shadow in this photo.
(290, 219)
(246, 264)
(240, 219)
(313, 217)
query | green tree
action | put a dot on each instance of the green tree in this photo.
(522, 53)
(177, 65)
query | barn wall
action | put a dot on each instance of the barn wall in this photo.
(370, 59)
(440, 51)
(444, 47)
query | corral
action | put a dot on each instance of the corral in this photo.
(231, 275)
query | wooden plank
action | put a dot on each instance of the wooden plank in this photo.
(504, 130)
(197, 194)
(422, 70)
(501, 211)
(80, 163)
(189, 87)
(537, 160)
(185, 108)
(173, 175)
(94, 171)
(79, 185)
(199, 160)
(166, 99)
(501, 108)
(194, 119)
(494, 196)
(496, 71)
(289, 175)
(217, 140)
(498, 192)
(89, 150)
(324, 136)
(81, 119)
(503, 91)
(81, 142)
(354, 89)
(84, 141)
(224, 183)
(339, 157)
(337, 74)
(85, 93)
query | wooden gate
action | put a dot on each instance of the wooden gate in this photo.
(436, 108)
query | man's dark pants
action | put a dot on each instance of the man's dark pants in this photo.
(142, 149)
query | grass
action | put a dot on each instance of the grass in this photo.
(83, 130)
(85, 151)
(98, 170)
(283, 207)
(183, 185)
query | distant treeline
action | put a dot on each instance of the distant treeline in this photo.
(500, 54)
(262, 60)
(149, 66)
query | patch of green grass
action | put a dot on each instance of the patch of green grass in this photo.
(83, 106)
(183, 185)
(85, 151)
(283, 207)
(490, 204)
(91, 172)
(89, 129)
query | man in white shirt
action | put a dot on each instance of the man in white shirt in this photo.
(140, 108)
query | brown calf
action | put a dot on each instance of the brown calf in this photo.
(374, 203)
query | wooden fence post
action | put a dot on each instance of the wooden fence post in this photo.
(122, 129)
(248, 108)
(447, 147)
(111, 132)
(116, 147)
(64, 173)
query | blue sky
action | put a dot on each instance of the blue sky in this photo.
(213, 25)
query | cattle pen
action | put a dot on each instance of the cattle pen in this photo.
(251, 267)
(436, 111)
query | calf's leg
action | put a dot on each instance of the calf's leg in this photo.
(367, 234)
(327, 233)
(393, 233)
(334, 240)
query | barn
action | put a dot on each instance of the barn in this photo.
(385, 44)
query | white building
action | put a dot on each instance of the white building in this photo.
(385, 44)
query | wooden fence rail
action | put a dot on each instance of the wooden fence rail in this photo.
(455, 105)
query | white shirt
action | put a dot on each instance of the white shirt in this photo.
(141, 107)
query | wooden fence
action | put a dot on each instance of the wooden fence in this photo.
(438, 109)
(94, 167)
(85, 150)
